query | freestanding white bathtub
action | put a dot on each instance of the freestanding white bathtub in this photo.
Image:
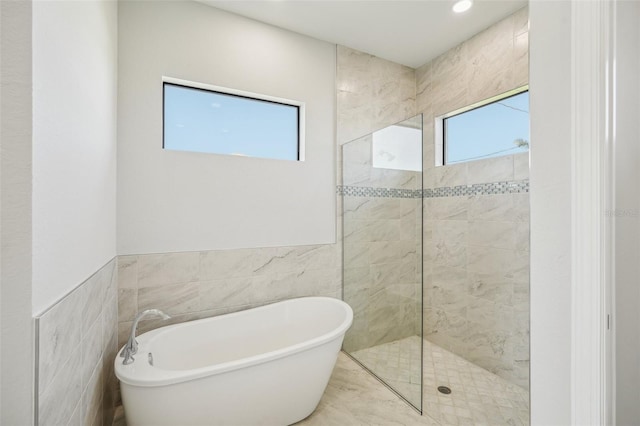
(263, 366)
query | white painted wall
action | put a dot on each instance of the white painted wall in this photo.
(16, 368)
(172, 201)
(550, 179)
(74, 144)
(627, 208)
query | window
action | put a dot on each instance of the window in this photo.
(208, 119)
(496, 127)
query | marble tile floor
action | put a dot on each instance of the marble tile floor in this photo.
(398, 364)
(354, 397)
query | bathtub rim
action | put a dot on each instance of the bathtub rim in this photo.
(141, 373)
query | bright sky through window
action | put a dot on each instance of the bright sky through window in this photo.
(211, 122)
(499, 128)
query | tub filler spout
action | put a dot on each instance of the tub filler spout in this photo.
(131, 347)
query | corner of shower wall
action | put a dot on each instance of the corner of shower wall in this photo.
(379, 214)
(371, 93)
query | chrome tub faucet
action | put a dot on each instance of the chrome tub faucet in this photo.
(131, 347)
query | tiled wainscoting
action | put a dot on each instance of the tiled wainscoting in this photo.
(77, 338)
(195, 285)
(75, 348)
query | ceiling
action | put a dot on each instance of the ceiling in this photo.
(409, 32)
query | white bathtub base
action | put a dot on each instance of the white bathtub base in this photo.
(280, 392)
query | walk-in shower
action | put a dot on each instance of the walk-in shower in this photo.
(382, 253)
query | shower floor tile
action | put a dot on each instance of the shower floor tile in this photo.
(478, 397)
(397, 363)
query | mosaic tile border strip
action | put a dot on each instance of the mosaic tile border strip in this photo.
(366, 191)
(507, 187)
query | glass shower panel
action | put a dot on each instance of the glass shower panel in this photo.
(382, 254)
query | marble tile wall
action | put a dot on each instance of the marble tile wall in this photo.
(476, 252)
(195, 285)
(373, 93)
(382, 275)
(382, 251)
(476, 291)
(76, 346)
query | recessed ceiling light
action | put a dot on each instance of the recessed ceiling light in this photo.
(462, 6)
